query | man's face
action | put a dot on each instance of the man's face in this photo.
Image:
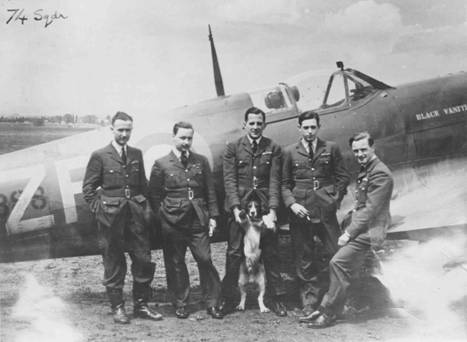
(121, 130)
(183, 139)
(255, 125)
(362, 151)
(309, 129)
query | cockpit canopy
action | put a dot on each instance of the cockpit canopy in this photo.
(346, 87)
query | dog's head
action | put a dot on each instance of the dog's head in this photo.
(253, 210)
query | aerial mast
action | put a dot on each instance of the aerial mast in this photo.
(215, 65)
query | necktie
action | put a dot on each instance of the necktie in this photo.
(254, 146)
(184, 158)
(123, 155)
(310, 149)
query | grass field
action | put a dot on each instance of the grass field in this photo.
(16, 136)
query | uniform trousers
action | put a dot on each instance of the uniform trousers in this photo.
(311, 263)
(175, 243)
(126, 233)
(344, 266)
(235, 256)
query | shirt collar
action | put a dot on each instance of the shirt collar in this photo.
(178, 153)
(364, 168)
(251, 140)
(118, 147)
(305, 144)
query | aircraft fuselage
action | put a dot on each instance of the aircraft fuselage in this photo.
(43, 214)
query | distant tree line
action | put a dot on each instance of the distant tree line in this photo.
(56, 119)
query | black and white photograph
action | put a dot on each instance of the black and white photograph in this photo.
(233, 170)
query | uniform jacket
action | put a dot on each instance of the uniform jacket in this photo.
(175, 191)
(371, 217)
(245, 171)
(121, 184)
(316, 183)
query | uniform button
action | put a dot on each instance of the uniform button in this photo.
(186, 170)
(126, 176)
(312, 169)
(254, 167)
(188, 179)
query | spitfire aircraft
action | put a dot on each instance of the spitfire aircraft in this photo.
(419, 129)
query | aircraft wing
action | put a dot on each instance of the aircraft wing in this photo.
(438, 207)
(427, 201)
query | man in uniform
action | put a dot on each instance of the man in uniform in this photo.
(119, 206)
(181, 191)
(367, 227)
(253, 162)
(314, 181)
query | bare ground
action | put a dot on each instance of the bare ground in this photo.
(69, 303)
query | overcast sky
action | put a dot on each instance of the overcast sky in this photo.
(144, 57)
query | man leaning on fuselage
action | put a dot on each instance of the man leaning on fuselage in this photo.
(367, 228)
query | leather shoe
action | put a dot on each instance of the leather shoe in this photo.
(310, 317)
(142, 310)
(322, 321)
(119, 315)
(226, 307)
(279, 308)
(215, 312)
(181, 312)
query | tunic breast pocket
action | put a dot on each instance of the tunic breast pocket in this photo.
(197, 174)
(134, 172)
(362, 191)
(265, 162)
(300, 169)
(172, 180)
(242, 166)
(325, 161)
(112, 177)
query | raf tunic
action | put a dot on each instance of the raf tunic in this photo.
(119, 207)
(369, 222)
(318, 184)
(184, 199)
(244, 172)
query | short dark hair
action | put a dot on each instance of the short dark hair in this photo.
(309, 114)
(361, 136)
(256, 111)
(121, 116)
(182, 124)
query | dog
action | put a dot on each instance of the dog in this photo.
(252, 268)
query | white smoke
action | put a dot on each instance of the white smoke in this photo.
(45, 313)
(428, 280)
